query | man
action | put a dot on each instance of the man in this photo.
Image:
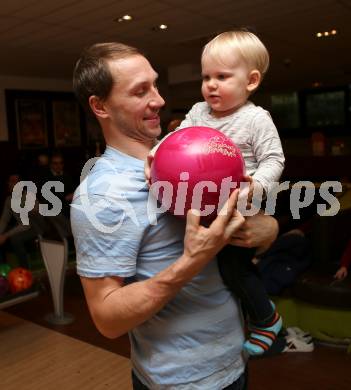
(156, 281)
(58, 173)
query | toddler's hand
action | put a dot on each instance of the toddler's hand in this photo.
(247, 193)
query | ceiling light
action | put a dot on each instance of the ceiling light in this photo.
(124, 18)
(326, 33)
(160, 27)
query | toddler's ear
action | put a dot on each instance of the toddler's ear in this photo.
(254, 80)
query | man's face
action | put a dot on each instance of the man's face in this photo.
(134, 102)
(57, 165)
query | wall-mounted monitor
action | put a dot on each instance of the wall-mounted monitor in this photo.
(325, 109)
(299, 114)
(285, 110)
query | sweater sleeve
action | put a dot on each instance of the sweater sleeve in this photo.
(268, 151)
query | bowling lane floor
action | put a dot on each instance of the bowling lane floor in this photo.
(34, 357)
(325, 368)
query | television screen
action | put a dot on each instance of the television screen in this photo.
(285, 110)
(325, 109)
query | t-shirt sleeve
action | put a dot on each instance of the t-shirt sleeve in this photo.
(107, 236)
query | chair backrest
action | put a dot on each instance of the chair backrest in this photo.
(62, 226)
(55, 228)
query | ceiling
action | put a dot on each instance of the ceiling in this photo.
(43, 38)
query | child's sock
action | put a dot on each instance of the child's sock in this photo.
(262, 337)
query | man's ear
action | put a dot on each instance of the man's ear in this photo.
(254, 80)
(97, 106)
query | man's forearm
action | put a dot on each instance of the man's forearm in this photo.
(116, 308)
(121, 309)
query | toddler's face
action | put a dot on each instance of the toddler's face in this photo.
(224, 87)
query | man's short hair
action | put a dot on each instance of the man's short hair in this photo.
(250, 47)
(92, 75)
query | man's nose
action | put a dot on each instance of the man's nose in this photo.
(157, 100)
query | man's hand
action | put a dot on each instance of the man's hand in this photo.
(341, 273)
(206, 242)
(258, 231)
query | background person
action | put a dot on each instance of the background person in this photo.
(13, 234)
(345, 263)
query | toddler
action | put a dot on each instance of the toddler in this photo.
(233, 65)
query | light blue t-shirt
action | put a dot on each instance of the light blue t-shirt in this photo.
(195, 341)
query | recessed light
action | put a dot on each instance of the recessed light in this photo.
(160, 27)
(326, 33)
(124, 18)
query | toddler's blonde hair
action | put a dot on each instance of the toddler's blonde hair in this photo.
(252, 50)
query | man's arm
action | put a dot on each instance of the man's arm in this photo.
(117, 308)
(5, 219)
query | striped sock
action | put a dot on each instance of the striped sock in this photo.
(261, 338)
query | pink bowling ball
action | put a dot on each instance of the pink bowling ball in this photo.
(196, 167)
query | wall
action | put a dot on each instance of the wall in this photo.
(184, 94)
(24, 83)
